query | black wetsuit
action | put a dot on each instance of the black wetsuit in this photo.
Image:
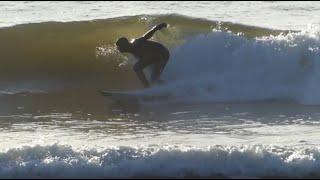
(150, 52)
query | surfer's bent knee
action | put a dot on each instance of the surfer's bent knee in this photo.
(137, 67)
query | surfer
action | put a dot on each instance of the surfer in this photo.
(148, 53)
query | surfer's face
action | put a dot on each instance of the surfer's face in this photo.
(122, 48)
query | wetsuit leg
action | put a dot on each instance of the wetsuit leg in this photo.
(138, 68)
(158, 69)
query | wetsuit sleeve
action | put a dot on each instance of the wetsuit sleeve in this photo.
(138, 41)
(151, 32)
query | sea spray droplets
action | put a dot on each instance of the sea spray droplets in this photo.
(104, 51)
(108, 53)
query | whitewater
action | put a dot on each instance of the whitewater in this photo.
(240, 101)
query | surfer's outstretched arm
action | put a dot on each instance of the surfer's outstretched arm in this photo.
(150, 33)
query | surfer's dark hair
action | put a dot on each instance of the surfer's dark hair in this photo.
(122, 41)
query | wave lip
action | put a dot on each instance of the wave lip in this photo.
(58, 161)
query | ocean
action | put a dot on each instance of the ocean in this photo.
(241, 98)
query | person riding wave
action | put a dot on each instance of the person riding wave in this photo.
(148, 53)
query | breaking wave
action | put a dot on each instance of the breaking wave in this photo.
(210, 60)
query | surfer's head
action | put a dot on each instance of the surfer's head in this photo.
(123, 44)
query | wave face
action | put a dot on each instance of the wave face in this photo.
(58, 161)
(210, 61)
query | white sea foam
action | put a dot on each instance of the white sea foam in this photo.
(221, 66)
(164, 161)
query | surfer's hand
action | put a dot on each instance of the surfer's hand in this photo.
(160, 26)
